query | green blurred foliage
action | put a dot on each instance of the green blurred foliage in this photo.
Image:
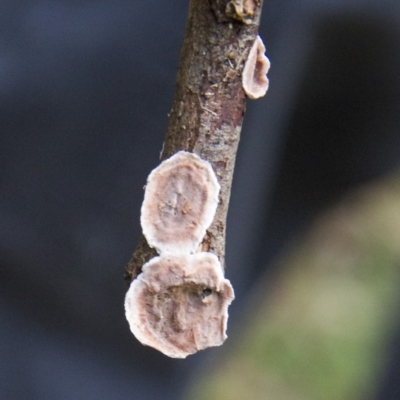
(321, 330)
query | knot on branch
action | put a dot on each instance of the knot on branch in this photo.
(243, 11)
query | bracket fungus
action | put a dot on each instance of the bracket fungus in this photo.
(254, 78)
(178, 304)
(179, 203)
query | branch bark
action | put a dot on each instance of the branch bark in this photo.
(209, 103)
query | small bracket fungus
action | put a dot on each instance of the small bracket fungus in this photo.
(254, 78)
(178, 304)
(179, 203)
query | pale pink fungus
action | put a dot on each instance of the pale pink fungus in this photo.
(178, 304)
(179, 203)
(254, 78)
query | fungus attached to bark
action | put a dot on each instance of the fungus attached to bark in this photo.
(241, 10)
(179, 203)
(178, 304)
(254, 78)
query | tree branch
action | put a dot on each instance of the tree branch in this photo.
(207, 113)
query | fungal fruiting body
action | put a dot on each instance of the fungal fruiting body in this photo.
(254, 78)
(178, 304)
(241, 10)
(179, 203)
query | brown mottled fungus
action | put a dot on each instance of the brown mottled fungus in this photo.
(178, 305)
(254, 78)
(179, 204)
(241, 10)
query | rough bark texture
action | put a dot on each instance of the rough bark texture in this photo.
(209, 104)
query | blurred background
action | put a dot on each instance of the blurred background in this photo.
(314, 223)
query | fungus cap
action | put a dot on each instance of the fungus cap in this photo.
(179, 204)
(179, 304)
(254, 78)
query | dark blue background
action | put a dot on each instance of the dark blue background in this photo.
(85, 88)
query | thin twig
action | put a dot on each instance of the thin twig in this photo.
(218, 36)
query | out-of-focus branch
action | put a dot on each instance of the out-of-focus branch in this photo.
(209, 104)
